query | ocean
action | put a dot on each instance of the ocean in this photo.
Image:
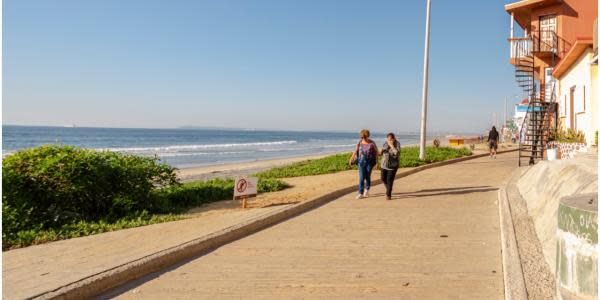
(190, 147)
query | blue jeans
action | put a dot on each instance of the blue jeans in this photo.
(364, 175)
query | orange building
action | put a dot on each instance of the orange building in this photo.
(551, 28)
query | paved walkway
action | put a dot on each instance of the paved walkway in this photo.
(438, 238)
(30, 271)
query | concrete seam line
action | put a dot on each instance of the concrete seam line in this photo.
(503, 246)
(512, 184)
(111, 278)
(514, 280)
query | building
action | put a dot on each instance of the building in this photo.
(520, 112)
(554, 34)
(577, 75)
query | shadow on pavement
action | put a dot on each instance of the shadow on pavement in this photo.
(448, 191)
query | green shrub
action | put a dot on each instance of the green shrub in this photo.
(50, 186)
(566, 136)
(56, 192)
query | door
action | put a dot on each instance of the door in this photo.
(548, 33)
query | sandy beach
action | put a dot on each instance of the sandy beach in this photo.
(239, 169)
(246, 168)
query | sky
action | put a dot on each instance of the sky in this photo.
(268, 64)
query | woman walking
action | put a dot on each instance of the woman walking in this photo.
(365, 156)
(390, 163)
(493, 141)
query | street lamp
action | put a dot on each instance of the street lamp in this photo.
(425, 84)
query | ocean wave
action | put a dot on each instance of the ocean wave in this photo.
(339, 146)
(180, 154)
(7, 153)
(178, 148)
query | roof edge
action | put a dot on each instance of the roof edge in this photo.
(571, 57)
(527, 4)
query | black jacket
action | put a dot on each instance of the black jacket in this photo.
(493, 135)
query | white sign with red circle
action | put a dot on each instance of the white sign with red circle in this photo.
(245, 187)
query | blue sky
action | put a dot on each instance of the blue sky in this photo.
(277, 64)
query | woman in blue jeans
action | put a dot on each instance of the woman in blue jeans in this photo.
(365, 156)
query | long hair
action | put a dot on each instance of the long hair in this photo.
(393, 136)
(494, 129)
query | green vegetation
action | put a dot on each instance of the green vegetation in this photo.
(179, 198)
(33, 236)
(410, 155)
(566, 136)
(51, 186)
(339, 162)
(55, 192)
(326, 165)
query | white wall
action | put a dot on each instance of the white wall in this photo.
(579, 76)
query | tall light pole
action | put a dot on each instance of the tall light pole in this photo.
(505, 112)
(425, 85)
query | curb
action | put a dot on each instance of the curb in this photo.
(514, 280)
(526, 273)
(108, 279)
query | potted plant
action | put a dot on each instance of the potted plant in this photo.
(552, 151)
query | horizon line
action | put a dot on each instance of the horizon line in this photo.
(193, 127)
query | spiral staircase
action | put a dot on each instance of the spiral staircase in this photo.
(541, 110)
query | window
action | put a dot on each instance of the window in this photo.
(579, 101)
(583, 97)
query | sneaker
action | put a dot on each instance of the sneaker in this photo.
(366, 193)
(388, 198)
(359, 196)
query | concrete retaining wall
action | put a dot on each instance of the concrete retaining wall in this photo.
(577, 240)
(544, 184)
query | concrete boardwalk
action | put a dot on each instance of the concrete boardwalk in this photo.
(32, 271)
(438, 238)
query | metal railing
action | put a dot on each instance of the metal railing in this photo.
(545, 41)
(540, 112)
(541, 41)
(520, 47)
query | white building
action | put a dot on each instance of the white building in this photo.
(520, 113)
(577, 75)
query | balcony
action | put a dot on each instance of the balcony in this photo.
(541, 44)
(520, 47)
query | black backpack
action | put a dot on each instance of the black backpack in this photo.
(393, 160)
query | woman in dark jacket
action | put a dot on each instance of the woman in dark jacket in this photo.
(390, 163)
(493, 141)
